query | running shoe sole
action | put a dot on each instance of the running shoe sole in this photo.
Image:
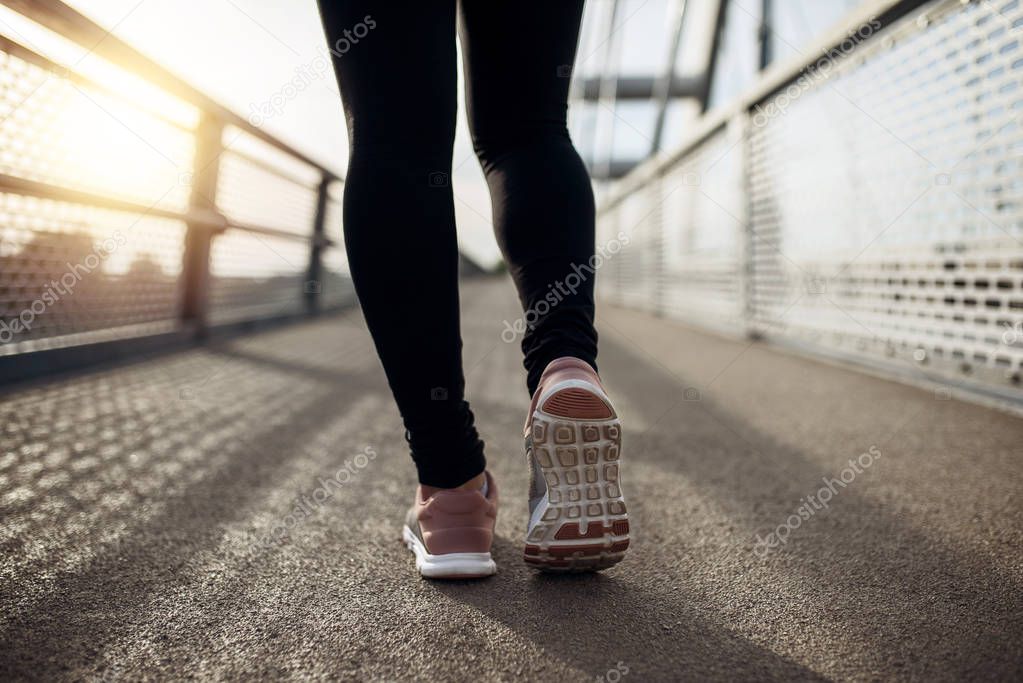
(450, 565)
(581, 524)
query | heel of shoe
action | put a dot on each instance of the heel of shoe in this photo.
(459, 539)
(456, 565)
(581, 524)
(577, 404)
(456, 524)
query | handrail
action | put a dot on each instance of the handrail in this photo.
(42, 190)
(12, 47)
(774, 78)
(797, 203)
(208, 218)
(202, 214)
(70, 23)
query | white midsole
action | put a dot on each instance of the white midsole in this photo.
(449, 564)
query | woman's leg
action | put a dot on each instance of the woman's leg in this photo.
(518, 59)
(398, 79)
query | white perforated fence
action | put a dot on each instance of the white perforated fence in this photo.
(686, 236)
(874, 213)
(133, 206)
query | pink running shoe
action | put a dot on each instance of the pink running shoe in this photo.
(577, 518)
(450, 532)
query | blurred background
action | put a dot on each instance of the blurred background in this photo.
(839, 176)
(778, 182)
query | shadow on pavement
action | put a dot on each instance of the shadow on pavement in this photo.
(859, 574)
(594, 622)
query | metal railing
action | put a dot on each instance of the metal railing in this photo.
(135, 210)
(863, 201)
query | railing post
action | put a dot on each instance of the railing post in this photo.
(740, 129)
(314, 285)
(196, 260)
(662, 86)
(764, 34)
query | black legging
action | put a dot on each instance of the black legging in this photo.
(395, 62)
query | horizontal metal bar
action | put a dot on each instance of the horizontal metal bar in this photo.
(36, 188)
(778, 76)
(212, 220)
(615, 169)
(16, 49)
(44, 362)
(269, 168)
(74, 356)
(641, 87)
(276, 232)
(1008, 398)
(71, 24)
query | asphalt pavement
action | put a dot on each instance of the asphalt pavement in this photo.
(161, 519)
